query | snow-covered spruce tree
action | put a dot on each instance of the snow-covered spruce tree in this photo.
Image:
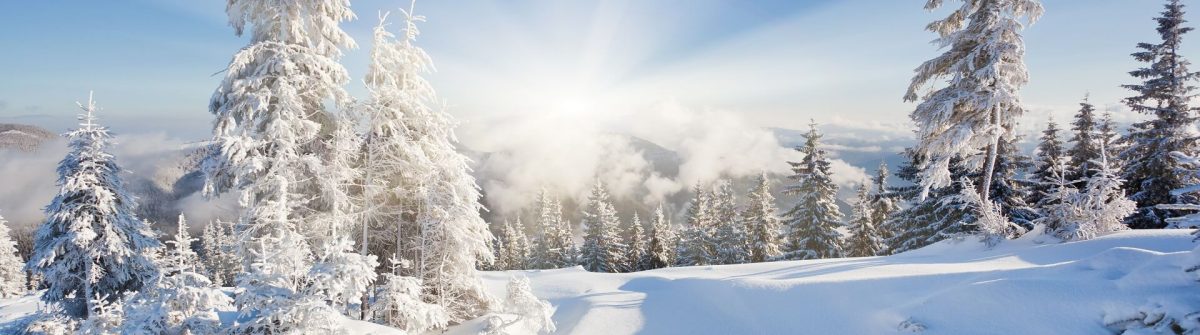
(1102, 202)
(696, 244)
(813, 220)
(516, 246)
(398, 304)
(1164, 93)
(661, 250)
(92, 244)
(181, 300)
(940, 215)
(1049, 158)
(730, 229)
(533, 315)
(1059, 211)
(1108, 136)
(1007, 191)
(12, 268)
(984, 69)
(884, 204)
(637, 254)
(554, 248)
(603, 248)
(1084, 143)
(218, 247)
(864, 239)
(412, 146)
(991, 226)
(764, 228)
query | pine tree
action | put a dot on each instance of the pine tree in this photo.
(12, 272)
(884, 205)
(516, 246)
(864, 240)
(941, 214)
(603, 248)
(181, 300)
(412, 146)
(1100, 207)
(1151, 173)
(398, 304)
(1048, 159)
(638, 252)
(554, 248)
(813, 220)
(1085, 145)
(976, 107)
(731, 244)
(1007, 191)
(696, 243)
(661, 252)
(763, 223)
(92, 244)
(218, 246)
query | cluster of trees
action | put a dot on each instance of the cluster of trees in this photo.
(315, 173)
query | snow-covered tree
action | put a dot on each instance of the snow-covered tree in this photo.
(864, 237)
(1084, 143)
(1048, 161)
(92, 244)
(218, 250)
(1100, 207)
(884, 204)
(730, 229)
(398, 304)
(555, 247)
(991, 226)
(1059, 211)
(516, 246)
(662, 248)
(533, 315)
(181, 300)
(1164, 93)
(12, 268)
(983, 68)
(426, 184)
(637, 255)
(106, 317)
(941, 214)
(1007, 191)
(697, 241)
(813, 220)
(603, 248)
(764, 228)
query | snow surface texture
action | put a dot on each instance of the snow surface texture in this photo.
(1032, 285)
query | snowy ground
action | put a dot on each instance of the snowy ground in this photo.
(1020, 287)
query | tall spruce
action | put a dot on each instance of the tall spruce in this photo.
(813, 220)
(731, 245)
(554, 247)
(884, 204)
(1008, 192)
(12, 272)
(984, 69)
(696, 245)
(1085, 147)
(864, 239)
(941, 214)
(1048, 159)
(662, 250)
(92, 249)
(1151, 173)
(764, 228)
(637, 255)
(603, 248)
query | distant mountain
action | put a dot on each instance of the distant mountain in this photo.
(23, 137)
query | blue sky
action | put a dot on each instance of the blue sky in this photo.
(776, 63)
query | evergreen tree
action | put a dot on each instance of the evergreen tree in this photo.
(976, 108)
(1007, 191)
(1099, 208)
(431, 196)
(603, 249)
(763, 223)
(1151, 173)
(554, 247)
(181, 300)
(1048, 159)
(12, 272)
(398, 304)
(696, 242)
(941, 214)
(220, 260)
(92, 249)
(661, 249)
(884, 205)
(638, 252)
(179, 249)
(731, 245)
(1085, 145)
(864, 237)
(516, 246)
(814, 218)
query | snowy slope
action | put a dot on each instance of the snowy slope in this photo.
(1021, 287)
